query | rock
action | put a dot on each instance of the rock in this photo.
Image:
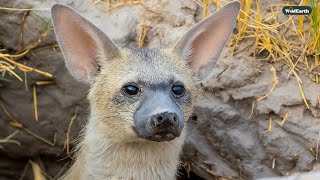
(301, 176)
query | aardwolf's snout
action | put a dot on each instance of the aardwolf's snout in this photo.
(164, 126)
(159, 116)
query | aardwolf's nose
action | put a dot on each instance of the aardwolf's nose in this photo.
(165, 126)
(165, 119)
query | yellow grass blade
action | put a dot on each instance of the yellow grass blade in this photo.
(295, 48)
(275, 82)
(204, 4)
(284, 119)
(301, 19)
(270, 125)
(16, 124)
(35, 102)
(14, 74)
(67, 142)
(19, 125)
(109, 5)
(302, 94)
(37, 173)
(41, 83)
(24, 9)
(26, 81)
(273, 163)
(142, 35)
(9, 139)
(16, 55)
(25, 67)
(316, 63)
(217, 4)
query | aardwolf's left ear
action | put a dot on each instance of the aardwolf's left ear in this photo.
(202, 44)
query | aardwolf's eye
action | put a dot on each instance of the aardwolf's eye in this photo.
(131, 90)
(178, 89)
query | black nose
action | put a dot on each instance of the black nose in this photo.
(165, 120)
(164, 126)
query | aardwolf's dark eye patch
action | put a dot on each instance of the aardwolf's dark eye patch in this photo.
(131, 89)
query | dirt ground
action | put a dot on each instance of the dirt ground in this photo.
(227, 136)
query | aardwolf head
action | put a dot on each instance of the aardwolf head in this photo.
(141, 93)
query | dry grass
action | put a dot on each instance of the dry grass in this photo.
(142, 35)
(19, 125)
(37, 172)
(113, 4)
(243, 18)
(274, 82)
(270, 125)
(67, 142)
(211, 172)
(273, 163)
(285, 39)
(8, 66)
(278, 37)
(9, 139)
(8, 62)
(315, 34)
(204, 4)
(317, 148)
(284, 119)
(189, 165)
(35, 102)
(24, 9)
(291, 40)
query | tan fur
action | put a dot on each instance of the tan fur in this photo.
(110, 148)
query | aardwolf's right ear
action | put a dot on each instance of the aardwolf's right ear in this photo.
(85, 47)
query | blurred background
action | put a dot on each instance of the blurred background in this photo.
(258, 115)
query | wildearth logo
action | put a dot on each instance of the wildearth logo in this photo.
(296, 10)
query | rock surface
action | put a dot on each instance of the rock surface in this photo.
(228, 135)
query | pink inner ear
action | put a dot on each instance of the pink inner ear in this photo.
(78, 47)
(208, 45)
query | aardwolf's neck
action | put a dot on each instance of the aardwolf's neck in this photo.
(100, 158)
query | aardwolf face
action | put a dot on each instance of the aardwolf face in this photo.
(141, 93)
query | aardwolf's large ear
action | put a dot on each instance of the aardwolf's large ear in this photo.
(202, 44)
(85, 47)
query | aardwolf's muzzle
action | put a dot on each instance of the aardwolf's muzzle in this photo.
(165, 126)
(159, 118)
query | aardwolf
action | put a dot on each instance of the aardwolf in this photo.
(139, 99)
